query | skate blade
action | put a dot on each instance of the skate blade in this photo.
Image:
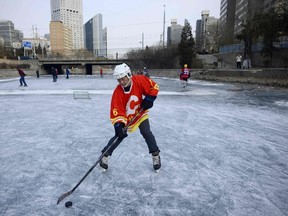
(102, 169)
(157, 171)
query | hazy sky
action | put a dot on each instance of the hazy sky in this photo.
(125, 20)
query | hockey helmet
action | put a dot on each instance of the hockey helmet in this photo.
(121, 71)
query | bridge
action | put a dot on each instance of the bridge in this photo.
(47, 64)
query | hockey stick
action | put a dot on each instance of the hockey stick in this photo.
(63, 196)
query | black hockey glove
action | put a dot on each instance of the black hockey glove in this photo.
(120, 132)
(147, 103)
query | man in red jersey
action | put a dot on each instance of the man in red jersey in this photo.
(127, 101)
(185, 74)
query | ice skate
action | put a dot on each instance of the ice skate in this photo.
(104, 163)
(156, 161)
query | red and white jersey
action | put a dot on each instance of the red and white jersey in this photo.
(185, 74)
(125, 105)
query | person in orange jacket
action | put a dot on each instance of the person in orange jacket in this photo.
(126, 103)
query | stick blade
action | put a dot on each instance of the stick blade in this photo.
(63, 196)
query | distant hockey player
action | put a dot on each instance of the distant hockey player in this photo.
(67, 73)
(184, 75)
(145, 72)
(127, 100)
(101, 72)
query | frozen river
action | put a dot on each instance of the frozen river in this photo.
(224, 150)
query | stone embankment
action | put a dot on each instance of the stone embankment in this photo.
(270, 76)
(265, 76)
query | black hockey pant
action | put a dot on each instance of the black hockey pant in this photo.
(146, 133)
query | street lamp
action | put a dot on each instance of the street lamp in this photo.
(142, 41)
(164, 28)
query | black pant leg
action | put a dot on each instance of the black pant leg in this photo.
(113, 147)
(148, 136)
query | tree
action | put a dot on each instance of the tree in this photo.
(248, 25)
(281, 9)
(153, 57)
(186, 45)
(246, 36)
(268, 29)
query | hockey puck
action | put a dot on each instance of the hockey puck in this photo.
(68, 204)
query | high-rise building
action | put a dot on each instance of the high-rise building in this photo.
(268, 4)
(105, 42)
(95, 36)
(245, 10)
(235, 13)
(9, 34)
(227, 21)
(198, 37)
(206, 30)
(70, 13)
(174, 33)
(1, 41)
(60, 38)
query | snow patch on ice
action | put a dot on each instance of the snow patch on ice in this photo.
(98, 92)
(282, 103)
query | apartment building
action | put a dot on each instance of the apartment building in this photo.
(234, 13)
(9, 34)
(60, 38)
(70, 13)
(206, 29)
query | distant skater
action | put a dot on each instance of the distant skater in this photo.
(101, 72)
(145, 72)
(54, 74)
(185, 75)
(37, 73)
(67, 73)
(238, 61)
(22, 77)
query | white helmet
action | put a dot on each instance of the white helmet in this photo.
(121, 71)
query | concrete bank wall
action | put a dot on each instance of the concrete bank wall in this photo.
(270, 76)
(8, 73)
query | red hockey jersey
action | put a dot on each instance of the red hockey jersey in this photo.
(125, 105)
(185, 74)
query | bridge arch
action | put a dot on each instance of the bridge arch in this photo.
(47, 64)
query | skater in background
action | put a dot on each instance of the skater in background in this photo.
(37, 73)
(22, 77)
(145, 72)
(140, 72)
(54, 74)
(126, 103)
(239, 61)
(101, 72)
(67, 73)
(185, 75)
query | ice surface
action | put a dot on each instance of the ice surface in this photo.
(224, 150)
